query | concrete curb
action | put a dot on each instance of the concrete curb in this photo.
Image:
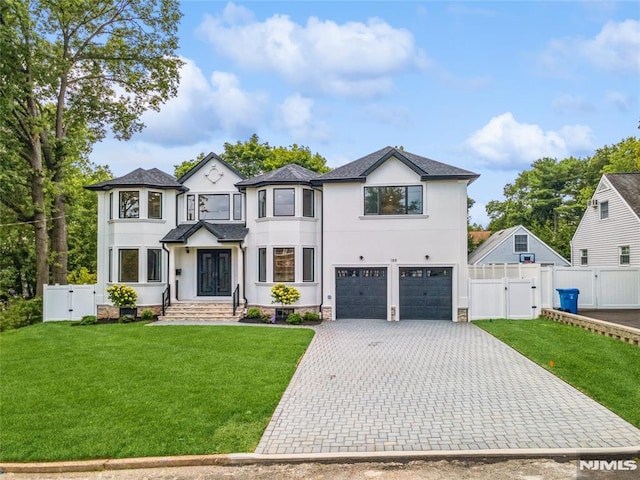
(234, 459)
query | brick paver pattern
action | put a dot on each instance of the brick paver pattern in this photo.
(369, 386)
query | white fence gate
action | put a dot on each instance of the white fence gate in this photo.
(502, 291)
(68, 302)
(504, 298)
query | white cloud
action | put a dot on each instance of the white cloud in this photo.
(353, 58)
(614, 49)
(506, 143)
(567, 103)
(296, 116)
(204, 106)
(621, 102)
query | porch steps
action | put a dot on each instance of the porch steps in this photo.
(183, 311)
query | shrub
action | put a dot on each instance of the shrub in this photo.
(266, 318)
(284, 294)
(311, 317)
(146, 315)
(20, 313)
(294, 319)
(122, 295)
(126, 319)
(82, 276)
(88, 320)
(254, 312)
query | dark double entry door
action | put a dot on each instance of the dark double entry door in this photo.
(214, 273)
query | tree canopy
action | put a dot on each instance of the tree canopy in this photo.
(253, 158)
(70, 71)
(550, 198)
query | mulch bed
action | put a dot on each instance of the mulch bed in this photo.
(278, 322)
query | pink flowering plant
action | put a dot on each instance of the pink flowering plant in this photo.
(122, 296)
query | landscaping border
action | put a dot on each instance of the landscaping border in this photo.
(620, 332)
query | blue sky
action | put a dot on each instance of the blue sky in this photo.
(486, 86)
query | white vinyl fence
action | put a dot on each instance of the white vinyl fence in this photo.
(522, 290)
(68, 302)
(601, 287)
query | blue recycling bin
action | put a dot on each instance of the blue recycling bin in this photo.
(568, 299)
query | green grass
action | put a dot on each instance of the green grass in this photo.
(605, 369)
(114, 391)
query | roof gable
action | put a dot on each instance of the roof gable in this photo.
(152, 178)
(203, 162)
(502, 236)
(428, 169)
(224, 232)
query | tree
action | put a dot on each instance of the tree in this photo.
(69, 71)
(550, 198)
(252, 158)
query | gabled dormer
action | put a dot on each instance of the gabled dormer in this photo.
(212, 195)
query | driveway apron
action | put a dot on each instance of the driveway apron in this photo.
(375, 386)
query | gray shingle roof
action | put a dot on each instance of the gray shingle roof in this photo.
(224, 232)
(628, 186)
(492, 242)
(140, 177)
(289, 174)
(427, 169)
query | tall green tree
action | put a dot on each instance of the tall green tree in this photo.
(254, 158)
(71, 70)
(550, 198)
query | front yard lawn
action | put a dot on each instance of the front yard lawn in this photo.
(128, 390)
(605, 369)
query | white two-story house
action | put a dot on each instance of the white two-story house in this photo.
(608, 234)
(383, 237)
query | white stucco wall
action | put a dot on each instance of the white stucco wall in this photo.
(271, 232)
(132, 233)
(396, 241)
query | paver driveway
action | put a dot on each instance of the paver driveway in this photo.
(371, 385)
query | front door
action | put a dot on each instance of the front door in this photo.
(214, 273)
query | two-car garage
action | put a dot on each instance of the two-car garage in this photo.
(425, 293)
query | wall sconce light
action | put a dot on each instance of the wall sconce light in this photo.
(187, 250)
(361, 257)
(426, 257)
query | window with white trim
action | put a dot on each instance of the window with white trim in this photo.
(584, 257)
(262, 203)
(213, 207)
(237, 206)
(130, 204)
(405, 200)
(308, 264)
(154, 264)
(128, 265)
(625, 255)
(154, 205)
(262, 264)
(284, 265)
(604, 210)
(284, 203)
(308, 206)
(520, 243)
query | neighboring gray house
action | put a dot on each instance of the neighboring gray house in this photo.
(515, 245)
(609, 232)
